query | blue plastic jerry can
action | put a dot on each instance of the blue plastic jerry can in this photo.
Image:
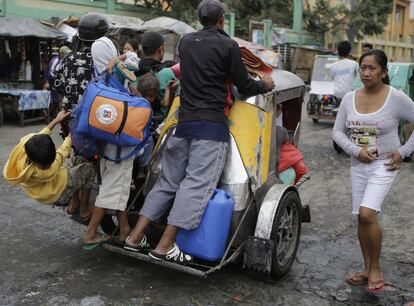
(208, 241)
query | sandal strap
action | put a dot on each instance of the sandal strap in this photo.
(175, 254)
(144, 243)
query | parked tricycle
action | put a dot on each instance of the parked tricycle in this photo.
(322, 103)
(266, 221)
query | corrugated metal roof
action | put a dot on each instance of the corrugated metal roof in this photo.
(23, 27)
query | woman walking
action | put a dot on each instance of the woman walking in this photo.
(367, 129)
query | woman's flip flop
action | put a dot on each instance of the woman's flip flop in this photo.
(378, 287)
(357, 279)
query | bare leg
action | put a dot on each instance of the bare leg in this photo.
(91, 234)
(364, 243)
(124, 228)
(359, 278)
(167, 240)
(373, 235)
(138, 231)
(86, 208)
(73, 204)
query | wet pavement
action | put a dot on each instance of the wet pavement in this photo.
(42, 261)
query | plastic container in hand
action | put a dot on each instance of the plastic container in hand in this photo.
(209, 240)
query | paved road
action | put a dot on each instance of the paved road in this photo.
(42, 261)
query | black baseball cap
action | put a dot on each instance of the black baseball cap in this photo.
(152, 40)
(210, 11)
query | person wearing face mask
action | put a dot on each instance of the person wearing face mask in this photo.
(367, 129)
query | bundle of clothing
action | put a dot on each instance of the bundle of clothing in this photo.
(254, 65)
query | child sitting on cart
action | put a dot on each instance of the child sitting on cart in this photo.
(291, 162)
(40, 169)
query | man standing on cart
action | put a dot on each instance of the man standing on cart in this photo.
(194, 157)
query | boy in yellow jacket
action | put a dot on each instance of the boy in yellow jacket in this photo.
(40, 169)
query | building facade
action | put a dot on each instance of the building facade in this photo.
(397, 40)
(45, 9)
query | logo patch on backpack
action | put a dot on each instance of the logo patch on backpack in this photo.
(106, 114)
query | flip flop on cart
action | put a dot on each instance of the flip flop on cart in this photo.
(174, 255)
(90, 246)
(143, 246)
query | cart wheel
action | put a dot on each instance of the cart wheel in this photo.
(337, 148)
(286, 233)
(1, 116)
(315, 120)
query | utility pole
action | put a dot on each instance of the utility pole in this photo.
(298, 19)
(110, 6)
(351, 29)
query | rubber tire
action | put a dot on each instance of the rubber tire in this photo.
(337, 148)
(289, 198)
(1, 116)
(315, 120)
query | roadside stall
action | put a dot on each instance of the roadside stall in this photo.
(25, 49)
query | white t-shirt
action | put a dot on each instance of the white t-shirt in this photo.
(377, 130)
(343, 73)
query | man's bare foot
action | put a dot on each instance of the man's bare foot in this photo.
(86, 206)
(124, 234)
(163, 249)
(358, 278)
(73, 206)
(85, 215)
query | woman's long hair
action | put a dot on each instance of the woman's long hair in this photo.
(381, 59)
